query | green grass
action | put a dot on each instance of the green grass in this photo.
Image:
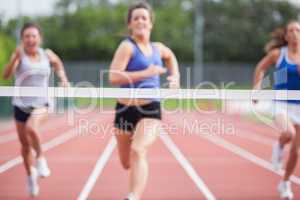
(191, 104)
(84, 102)
(169, 104)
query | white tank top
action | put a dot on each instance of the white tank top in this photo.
(32, 74)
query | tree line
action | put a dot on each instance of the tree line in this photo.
(234, 30)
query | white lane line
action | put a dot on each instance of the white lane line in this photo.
(256, 137)
(51, 123)
(6, 124)
(47, 146)
(8, 137)
(248, 156)
(187, 166)
(103, 159)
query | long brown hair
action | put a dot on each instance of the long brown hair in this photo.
(278, 37)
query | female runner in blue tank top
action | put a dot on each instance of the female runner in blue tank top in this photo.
(31, 66)
(137, 63)
(284, 52)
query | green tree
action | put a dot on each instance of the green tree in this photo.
(7, 45)
(237, 30)
(234, 30)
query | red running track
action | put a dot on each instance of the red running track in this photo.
(230, 165)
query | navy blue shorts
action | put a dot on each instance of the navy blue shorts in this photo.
(127, 117)
(22, 114)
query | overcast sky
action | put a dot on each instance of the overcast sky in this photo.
(11, 8)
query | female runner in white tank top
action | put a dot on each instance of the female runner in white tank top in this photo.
(31, 66)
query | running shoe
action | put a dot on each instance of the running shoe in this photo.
(285, 190)
(42, 167)
(32, 182)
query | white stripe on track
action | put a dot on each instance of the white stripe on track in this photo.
(47, 146)
(248, 156)
(256, 138)
(97, 169)
(51, 123)
(7, 138)
(7, 124)
(186, 166)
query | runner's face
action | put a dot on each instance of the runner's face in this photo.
(31, 39)
(140, 23)
(293, 32)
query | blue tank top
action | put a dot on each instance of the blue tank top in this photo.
(139, 61)
(286, 76)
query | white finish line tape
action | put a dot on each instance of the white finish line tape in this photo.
(150, 93)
